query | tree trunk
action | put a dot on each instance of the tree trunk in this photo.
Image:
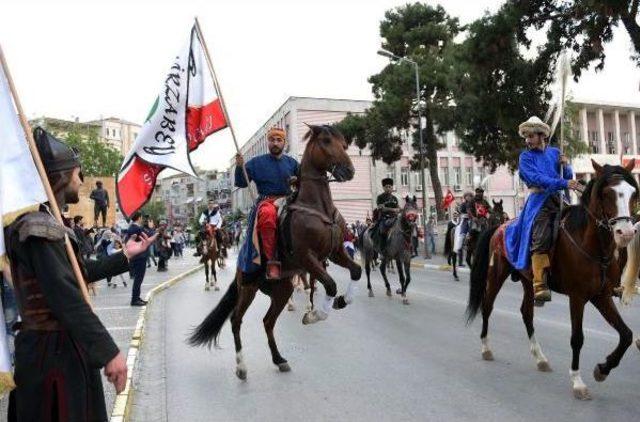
(633, 30)
(431, 154)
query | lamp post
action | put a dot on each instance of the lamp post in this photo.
(425, 198)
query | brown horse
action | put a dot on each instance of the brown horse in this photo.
(584, 266)
(211, 255)
(316, 233)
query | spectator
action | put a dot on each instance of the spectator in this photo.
(430, 235)
(163, 248)
(149, 229)
(84, 243)
(137, 265)
(348, 242)
(113, 248)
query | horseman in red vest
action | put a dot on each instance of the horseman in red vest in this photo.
(273, 174)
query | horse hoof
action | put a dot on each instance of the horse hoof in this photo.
(399, 291)
(456, 278)
(581, 393)
(291, 308)
(216, 288)
(313, 316)
(372, 295)
(356, 274)
(284, 367)
(241, 373)
(339, 303)
(487, 355)
(544, 366)
(389, 292)
(598, 375)
(207, 288)
(405, 301)
(538, 303)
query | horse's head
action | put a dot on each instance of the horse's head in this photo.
(410, 211)
(611, 197)
(497, 207)
(326, 151)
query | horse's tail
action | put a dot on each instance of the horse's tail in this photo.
(479, 271)
(208, 331)
(448, 240)
(631, 268)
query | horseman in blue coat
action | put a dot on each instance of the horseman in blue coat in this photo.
(273, 174)
(532, 233)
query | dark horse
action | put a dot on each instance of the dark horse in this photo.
(480, 224)
(398, 248)
(584, 266)
(316, 232)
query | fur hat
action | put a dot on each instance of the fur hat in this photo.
(387, 181)
(534, 125)
(276, 132)
(56, 155)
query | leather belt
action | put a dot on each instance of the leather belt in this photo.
(535, 189)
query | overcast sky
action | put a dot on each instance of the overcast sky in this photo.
(108, 58)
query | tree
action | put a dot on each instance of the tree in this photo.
(582, 26)
(497, 88)
(421, 33)
(156, 210)
(97, 157)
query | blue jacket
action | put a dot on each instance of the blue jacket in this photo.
(271, 176)
(540, 169)
(133, 230)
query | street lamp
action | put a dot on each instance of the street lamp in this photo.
(425, 198)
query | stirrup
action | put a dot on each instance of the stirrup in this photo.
(273, 270)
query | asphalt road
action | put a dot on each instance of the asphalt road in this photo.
(379, 360)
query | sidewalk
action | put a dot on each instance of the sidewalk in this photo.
(112, 306)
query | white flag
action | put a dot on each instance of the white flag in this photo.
(21, 189)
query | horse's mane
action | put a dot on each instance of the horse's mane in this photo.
(576, 216)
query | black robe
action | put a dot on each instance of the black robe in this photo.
(58, 372)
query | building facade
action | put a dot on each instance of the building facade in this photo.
(118, 133)
(458, 172)
(184, 196)
(609, 130)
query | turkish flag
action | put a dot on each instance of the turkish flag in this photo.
(448, 200)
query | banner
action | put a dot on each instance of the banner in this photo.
(187, 110)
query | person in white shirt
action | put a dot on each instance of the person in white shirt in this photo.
(213, 217)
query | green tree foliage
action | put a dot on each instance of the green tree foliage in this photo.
(496, 88)
(156, 210)
(98, 158)
(423, 34)
(583, 26)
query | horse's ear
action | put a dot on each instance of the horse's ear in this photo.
(415, 199)
(494, 202)
(597, 167)
(630, 165)
(406, 198)
(501, 201)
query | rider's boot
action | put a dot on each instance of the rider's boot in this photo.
(540, 262)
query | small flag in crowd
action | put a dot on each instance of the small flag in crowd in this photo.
(21, 191)
(187, 110)
(448, 200)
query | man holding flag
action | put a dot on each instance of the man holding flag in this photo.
(61, 343)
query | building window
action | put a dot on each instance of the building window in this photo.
(457, 176)
(594, 142)
(417, 180)
(190, 189)
(468, 176)
(482, 173)
(445, 176)
(404, 176)
(390, 172)
(611, 145)
(626, 143)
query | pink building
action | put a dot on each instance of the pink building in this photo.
(459, 172)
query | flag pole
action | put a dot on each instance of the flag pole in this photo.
(222, 103)
(43, 177)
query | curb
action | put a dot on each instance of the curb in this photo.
(443, 267)
(122, 404)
